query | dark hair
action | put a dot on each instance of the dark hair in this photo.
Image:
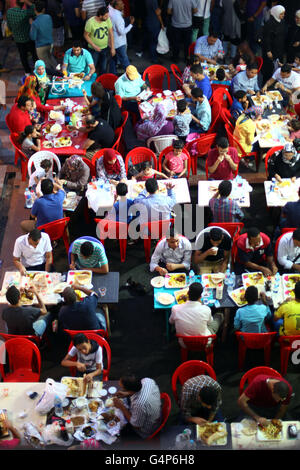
(296, 143)
(13, 295)
(238, 95)
(122, 189)
(296, 234)
(252, 66)
(90, 119)
(215, 234)
(23, 100)
(171, 232)
(77, 43)
(195, 291)
(295, 124)
(40, 6)
(281, 388)
(27, 131)
(102, 11)
(46, 164)
(145, 165)
(251, 295)
(220, 74)
(151, 185)
(286, 68)
(79, 339)
(132, 171)
(35, 234)
(222, 142)
(196, 68)
(178, 144)
(69, 296)
(209, 395)
(253, 232)
(197, 93)
(47, 186)
(193, 59)
(87, 248)
(297, 290)
(181, 105)
(98, 90)
(225, 188)
(212, 33)
(131, 383)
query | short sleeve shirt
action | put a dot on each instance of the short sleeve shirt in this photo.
(90, 360)
(260, 395)
(291, 82)
(175, 162)
(225, 245)
(81, 315)
(98, 31)
(96, 260)
(223, 172)
(48, 207)
(19, 320)
(78, 64)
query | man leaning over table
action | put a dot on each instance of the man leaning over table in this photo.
(208, 47)
(129, 86)
(172, 254)
(288, 255)
(87, 254)
(266, 397)
(285, 80)
(287, 316)
(33, 252)
(222, 207)
(78, 60)
(246, 80)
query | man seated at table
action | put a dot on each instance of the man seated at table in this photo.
(290, 214)
(225, 209)
(288, 255)
(33, 252)
(287, 316)
(208, 47)
(144, 411)
(254, 253)
(246, 80)
(100, 135)
(82, 314)
(286, 81)
(129, 86)
(201, 114)
(25, 319)
(89, 254)
(201, 81)
(19, 116)
(222, 161)
(120, 212)
(251, 318)
(47, 208)
(266, 397)
(193, 318)
(172, 254)
(201, 399)
(78, 60)
(214, 254)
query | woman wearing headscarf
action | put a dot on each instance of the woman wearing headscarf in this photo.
(157, 125)
(245, 128)
(103, 105)
(273, 41)
(111, 167)
(284, 164)
(293, 39)
(43, 79)
(31, 90)
(75, 174)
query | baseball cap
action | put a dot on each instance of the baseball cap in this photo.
(131, 72)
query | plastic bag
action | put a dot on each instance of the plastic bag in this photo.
(52, 389)
(33, 437)
(6, 32)
(50, 435)
(162, 42)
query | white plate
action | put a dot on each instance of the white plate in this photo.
(103, 393)
(112, 390)
(165, 299)
(167, 92)
(158, 281)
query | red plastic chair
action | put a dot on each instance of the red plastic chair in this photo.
(233, 142)
(118, 100)
(35, 339)
(166, 410)
(168, 149)
(24, 360)
(254, 341)
(115, 231)
(198, 343)
(217, 86)
(118, 136)
(252, 373)
(107, 80)
(288, 229)
(90, 165)
(125, 115)
(269, 153)
(218, 95)
(139, 155)
(191, 49)
(259, 61)
(154, 231)
(104, 345)
(207, 172)
(100, 154)
(177, 75)
(73, 333)
(156, 75)
(56, 230)
(287, 345)
(204, 144)
(233, 228)
(187, 370)
(19, 155)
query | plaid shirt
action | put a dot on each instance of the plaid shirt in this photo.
(206, 50)
(225, 210)
(190, 393)
(18, 23)
(96, 260)
(145, 408)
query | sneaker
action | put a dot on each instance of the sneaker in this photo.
(139, 54)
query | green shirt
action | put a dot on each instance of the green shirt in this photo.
(96, 260)
(18, 23)
(98, 31)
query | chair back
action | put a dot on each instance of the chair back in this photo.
(259, 61)
(90, 165)
(190, 369)
(160, 142)
(125, 115)
(118, 135)
(19, 155)
(73, 333)
(7, 121)
(288, 229)
(233, 228)
(166, 410)
(191, 49)
(215, 117)
(177, 75)
(287, 344)
(115, 231)
(166, 150)
(252, 373)
(278, 241)
(139, 155)
(198, 343)
(56, 230)
(85, 237)
(100, 154)
(256, 340)
(23, 355)
(269, 153)
(156, 75)
(154, 230)
(36, 159)
(107, 80)
(200, 237)
(118, 100)
(226, 117)
(7, 336)
(222, 96)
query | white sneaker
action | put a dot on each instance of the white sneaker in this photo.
(139, 54)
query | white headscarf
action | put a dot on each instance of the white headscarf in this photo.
(276, 11)
(298, 16)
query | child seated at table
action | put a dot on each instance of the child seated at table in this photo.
(120, 211)
(294, 129)
(35, 116)
(296, 64)
(42, 171)
(30, 141)
(186, 76)
(175, 162)
(182, 120)
(221, 78)
(147, 172)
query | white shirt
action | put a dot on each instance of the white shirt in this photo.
(200, 8)
(292, 82)
(181, 255)
(28, 254)
(287, 251)
(39, 173)
(191, 318)
(119, 28)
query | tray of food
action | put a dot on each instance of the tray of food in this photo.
(81, 277)
(63, 142)
(289, 282)
(39, 279)
(253, 279)
(271, 432)
(274, 95)
(175, 281)
(259, 100)
(76, 76)
(263, 125)
(165, 299)
(212, 434)
(181, 296)
(56, 115)
(274, 117)
(212, 280)
(76, 387)
(238, 296)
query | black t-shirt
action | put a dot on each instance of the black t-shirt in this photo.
(225, 245)
(19, 319)
(103, 134)
(110, 111)
(81, 315)
(276, 165)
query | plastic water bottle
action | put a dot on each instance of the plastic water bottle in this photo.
(230, 283)
(58, 409)
(191, 445)
(233, 280)
(191, 276)
(28, 198)
(227, 275)
(182, 439)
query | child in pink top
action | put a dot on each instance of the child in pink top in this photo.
(294, 128)
(175, 162)
(148, 172)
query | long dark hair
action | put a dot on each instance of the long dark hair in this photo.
(27, 131)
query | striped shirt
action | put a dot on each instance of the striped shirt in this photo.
(96, 260)
(190, 393)
(91, 7)
(225, 210)
(145, 408)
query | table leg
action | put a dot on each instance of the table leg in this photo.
(226, 323)
(106, 313)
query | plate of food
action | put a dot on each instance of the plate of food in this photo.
(167, 92)
(238, 296)
(27, 297)
(175, 280)
(253, 279)
(81, 277)
(77, 76)
(47, 144)
(274, 95)
(271, 432)
(158, 281)
(63, 142)
(258, 100)
(165, 298)
(75, 386)
(263, 125)
(212, 434)
(55, 115)
(60, 287)
(212, 280)
(249, 427)
(40, 280)
(274, 117)
(289, 282)
(181, 296)
(55, 129)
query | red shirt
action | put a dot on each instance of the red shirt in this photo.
(259, 393)
(246, 254)
(41, 108)
(18, 119)
(223, 172)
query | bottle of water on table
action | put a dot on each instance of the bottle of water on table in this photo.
(58, 409)
(191, 276)
(182, 439)
(28, 199)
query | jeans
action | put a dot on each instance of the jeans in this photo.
(42, 323)
(100, 60)
(24, 48)
(121, 56)
(101, 319)
(151, 39)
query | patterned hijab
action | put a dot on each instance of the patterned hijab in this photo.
(289, 148)
(29, 88)
(73, 168)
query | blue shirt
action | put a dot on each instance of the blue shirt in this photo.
(157, 206)
(41, 31)
(203, 113)
(205, 86)
(122, 211)
(81, 315)
(241, 82)
(250, 319)
(78, 64)
(236, 109)
(48, 208)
